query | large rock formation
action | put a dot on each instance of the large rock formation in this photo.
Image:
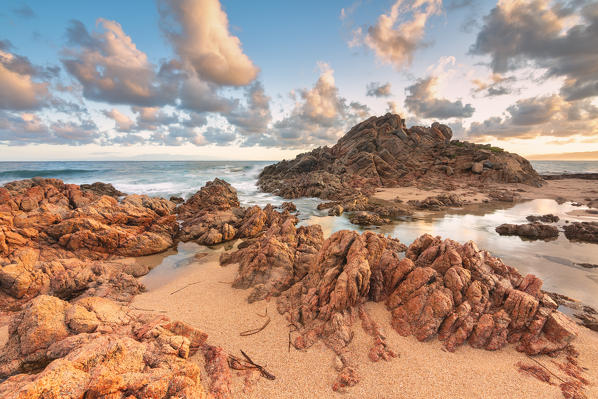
(382, 152)
(214, 215)
(59, 239)
(96, 349)
(441, 288)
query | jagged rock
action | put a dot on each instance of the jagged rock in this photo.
(55, 239)
(289, 207)
(550, 218)
(336, 210)
(177, 200)
(529, 230)
(213, 215)
(438, 202)
(382, 152)
(127, 355)
(441, 288)
(367, 219)
(100, 188)
(582, 231)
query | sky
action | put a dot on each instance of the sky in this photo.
(266, 80)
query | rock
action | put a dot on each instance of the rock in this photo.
(550, 218)
(336, 210)
(477, 167)
(213, 215)
(582, 231)
(530, 230)
(289, 207)
(137, 355)
(438, 202)
(100, 188)
(367, 219)
(177, 200)
(55, 239)
(382, 152)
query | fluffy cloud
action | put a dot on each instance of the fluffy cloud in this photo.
(111, 69)
(198, 30)
(540, 116)
(122, 121)
(559, 37)
(320, 116)
(398, 34)
(376, 89)
(19, 89)
(422, 102)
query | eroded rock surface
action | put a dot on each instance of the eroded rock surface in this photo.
(94, 348)
(530, 230)
(550, 218)
(382, 152)
(214, 215)
(582, 231)
(59, 239)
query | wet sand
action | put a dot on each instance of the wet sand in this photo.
(422, 370)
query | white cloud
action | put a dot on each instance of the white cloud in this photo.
(199, 31)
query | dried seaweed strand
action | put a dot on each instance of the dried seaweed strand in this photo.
(546, 368)
(255, 330)
(182, 288)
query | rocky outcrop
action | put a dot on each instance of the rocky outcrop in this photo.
(378, 212)
(582, 231)
(439, 202)
(213, 215)
(100, 188)
(363, 218)
(550, 218)
(59, 239)
(530, 230)
(382, 152)
(94, 348)
(456, 292)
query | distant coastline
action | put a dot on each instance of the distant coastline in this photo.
(566, 156)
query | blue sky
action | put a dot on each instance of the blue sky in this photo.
(266, 80)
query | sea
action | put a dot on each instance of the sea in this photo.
(558, 263)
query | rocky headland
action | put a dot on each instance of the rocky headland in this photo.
(381, 152)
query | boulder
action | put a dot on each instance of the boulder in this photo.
(530, 230)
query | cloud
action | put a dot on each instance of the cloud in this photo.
(256, 116)
(376, 89)
(123, 122)
(550, 116)
(397, 35)
(214, 135)
(319, 117)
(152, 118)
(19, 89)
(497, 85)
(559, 37)
(111, 69)
(24, 11)
(199, 32)
(28, 128)
(422, 102)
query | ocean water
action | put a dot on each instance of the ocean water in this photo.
(556, 262)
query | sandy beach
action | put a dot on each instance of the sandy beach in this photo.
(422, 369)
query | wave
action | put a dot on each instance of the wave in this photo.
(28, 173)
